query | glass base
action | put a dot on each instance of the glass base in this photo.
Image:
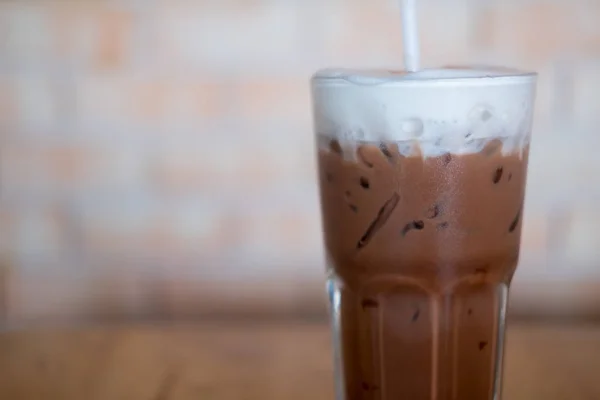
(395, 340)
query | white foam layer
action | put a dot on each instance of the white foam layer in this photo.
(452, 110)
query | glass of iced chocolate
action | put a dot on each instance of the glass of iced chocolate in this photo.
(422, 179)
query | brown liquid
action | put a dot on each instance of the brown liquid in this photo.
(423, 251)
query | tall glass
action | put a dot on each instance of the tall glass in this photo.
(422, 180)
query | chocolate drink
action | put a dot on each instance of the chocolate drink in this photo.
(422, 238)
(424, 249)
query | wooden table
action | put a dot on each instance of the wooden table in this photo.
(223, 361)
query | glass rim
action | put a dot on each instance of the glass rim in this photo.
(465, 75)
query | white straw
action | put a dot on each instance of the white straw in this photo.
(410, 35)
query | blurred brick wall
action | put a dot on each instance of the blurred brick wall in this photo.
(155, 154)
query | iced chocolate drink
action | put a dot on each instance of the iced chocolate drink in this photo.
(422, 181)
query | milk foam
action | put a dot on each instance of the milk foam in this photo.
(454, 110)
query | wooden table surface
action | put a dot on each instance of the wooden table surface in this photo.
(223, 361)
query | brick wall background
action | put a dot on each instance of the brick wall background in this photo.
(157, 157)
